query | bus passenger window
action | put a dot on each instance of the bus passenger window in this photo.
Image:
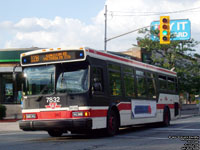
(97, 83)
(162, 82)
(151, 87)
(141, 84)
(129, 82)
(115, 83)
(171, 84)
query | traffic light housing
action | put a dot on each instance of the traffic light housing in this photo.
(164, 30)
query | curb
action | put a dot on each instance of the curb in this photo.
(187, 116)
(9, 120)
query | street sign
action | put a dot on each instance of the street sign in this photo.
(180, 28)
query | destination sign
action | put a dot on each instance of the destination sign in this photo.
(53, 57)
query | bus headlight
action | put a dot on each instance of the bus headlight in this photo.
(77, 114)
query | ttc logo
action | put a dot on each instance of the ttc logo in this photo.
(53, 105)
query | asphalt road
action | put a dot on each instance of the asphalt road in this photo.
(182, 134)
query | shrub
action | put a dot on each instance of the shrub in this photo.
(2, 111)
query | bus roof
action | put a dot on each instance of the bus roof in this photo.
(106, 56)
(126, 61)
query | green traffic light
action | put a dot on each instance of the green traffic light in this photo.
(164, 32)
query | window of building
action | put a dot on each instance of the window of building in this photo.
(7, 89)
(11, 92)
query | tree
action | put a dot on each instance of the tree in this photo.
(172, 56)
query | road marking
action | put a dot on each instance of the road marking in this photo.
(139, 137)
(176, 129)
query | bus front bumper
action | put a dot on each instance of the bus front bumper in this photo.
(67, 124)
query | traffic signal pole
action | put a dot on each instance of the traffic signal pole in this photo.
(164, 35)
(127, 33)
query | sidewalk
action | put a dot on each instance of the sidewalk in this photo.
(11, 126)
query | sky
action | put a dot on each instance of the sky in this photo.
(77, 23)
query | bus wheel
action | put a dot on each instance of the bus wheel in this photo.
(112, 123)
(55, 133)
(166, 118)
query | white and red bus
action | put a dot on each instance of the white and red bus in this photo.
(83, 89)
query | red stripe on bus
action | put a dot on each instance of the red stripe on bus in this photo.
(98, 113)
(124, 106)
(131, 61)
(161, 106)
(93, 113)
(67, 114)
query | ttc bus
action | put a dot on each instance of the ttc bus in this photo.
(83, 89)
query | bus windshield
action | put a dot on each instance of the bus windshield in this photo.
(39, 80)
(73, 82)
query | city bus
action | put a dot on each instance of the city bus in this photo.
(81, 89)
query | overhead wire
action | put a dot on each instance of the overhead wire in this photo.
(131, 13)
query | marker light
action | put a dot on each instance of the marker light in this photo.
(24, 60)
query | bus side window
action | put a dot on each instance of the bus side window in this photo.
(171, 84)
(115, 83)
(141, 84)
(162, 82)
(129, 80)
(115, 79)
(97, 81)
(151, 85)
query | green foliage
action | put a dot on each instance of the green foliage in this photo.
(2, 111)
(176, 55)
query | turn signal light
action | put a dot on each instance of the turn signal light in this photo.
(81, 114)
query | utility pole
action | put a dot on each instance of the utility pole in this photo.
(105, 36)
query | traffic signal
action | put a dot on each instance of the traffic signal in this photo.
(164, 30)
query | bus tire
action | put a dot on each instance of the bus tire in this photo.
(55, 133)
(112, 123)
(166, 117)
